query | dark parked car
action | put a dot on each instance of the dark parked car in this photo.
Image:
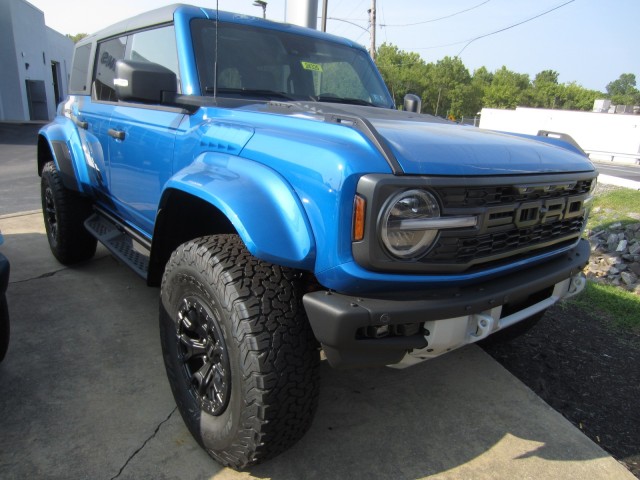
(4, 311)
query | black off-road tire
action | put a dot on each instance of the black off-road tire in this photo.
(64, 214)
(239, 352)
(4, 326)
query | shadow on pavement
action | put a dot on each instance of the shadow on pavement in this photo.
(19, 133)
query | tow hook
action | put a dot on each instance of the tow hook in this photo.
(484, 326)
(578, 282)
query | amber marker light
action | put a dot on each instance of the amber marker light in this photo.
(359, 207)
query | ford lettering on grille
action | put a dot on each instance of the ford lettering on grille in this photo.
(533, 213)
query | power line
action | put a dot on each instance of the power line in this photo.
(356, 8)
(512, 26)
(469, 41)
(336, 7)
(383, 19)
(347, 21)
(435, 19)
(355, 40)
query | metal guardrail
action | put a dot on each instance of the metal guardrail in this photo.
(628, 157)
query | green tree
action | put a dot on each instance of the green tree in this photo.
(623, 91)
(480, 82)
(77, 37)
(403, 72)
(545, 90)
(576, 97)
(448, 88)
(507, 90)
(482, 76)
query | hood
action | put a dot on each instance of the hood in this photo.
(427, 145)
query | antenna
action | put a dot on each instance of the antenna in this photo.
(215, 61)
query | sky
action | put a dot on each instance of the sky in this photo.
(591, 42)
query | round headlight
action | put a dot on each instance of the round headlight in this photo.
(403, 230)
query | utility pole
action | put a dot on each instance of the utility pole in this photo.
(372, 21)
(324, 15)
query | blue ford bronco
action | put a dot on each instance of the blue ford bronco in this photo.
(261, 175)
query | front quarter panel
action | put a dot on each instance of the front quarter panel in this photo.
(260, 204)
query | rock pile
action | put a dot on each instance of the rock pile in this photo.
(615, 256)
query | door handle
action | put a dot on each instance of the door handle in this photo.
(81, 124)
(117, 134)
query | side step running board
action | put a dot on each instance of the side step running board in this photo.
(123, 243)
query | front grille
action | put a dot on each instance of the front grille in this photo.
(486, 196)
(518, 217)
(466, 250)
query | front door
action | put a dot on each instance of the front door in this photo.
(141, 159)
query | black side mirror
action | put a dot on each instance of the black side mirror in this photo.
(412, 103)
(143, 81)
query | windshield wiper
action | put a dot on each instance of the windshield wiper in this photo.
(350, 101)
(247, 92)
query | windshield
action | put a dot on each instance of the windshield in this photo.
(265, 63)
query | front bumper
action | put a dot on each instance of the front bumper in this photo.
(444, 318)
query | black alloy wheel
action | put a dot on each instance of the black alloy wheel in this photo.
(204, 357)
(50, 216)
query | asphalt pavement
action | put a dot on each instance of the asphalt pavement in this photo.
(84, 395)
(19, 184)
(625, 171)
(627, 176)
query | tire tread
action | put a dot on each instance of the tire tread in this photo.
(279, 354)
(74, 243)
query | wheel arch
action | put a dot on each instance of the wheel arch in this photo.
(59, 142)
(182, 217)
(44, 155)
(220, 194)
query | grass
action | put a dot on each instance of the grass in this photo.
(614, 303)
(611, 206)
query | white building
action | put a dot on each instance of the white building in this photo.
(603, 136)
(36, 62)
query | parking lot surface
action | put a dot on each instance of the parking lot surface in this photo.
(83, 394)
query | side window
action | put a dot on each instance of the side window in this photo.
(109, 52)
(156, 46)
(80, 70)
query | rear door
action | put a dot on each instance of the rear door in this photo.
(94, 113)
